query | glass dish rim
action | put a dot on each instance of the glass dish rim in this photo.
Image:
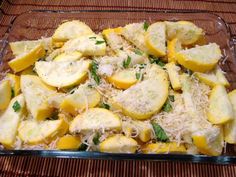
(222, 159)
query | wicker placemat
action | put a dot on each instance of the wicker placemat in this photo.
(32, 166)
(35, 166)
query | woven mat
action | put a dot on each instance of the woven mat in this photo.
(35, 166)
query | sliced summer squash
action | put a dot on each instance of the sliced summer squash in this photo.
(64, 73)
(20, 47)
(135, 33)
(213, 78)
(230, 127)
(33, 132)
(5, 94)
(113, 38)
(185, 31)
(123, 79)
(81, 98)
(147, 97)
(73, 56)
(10, 119)
(144, 129)
(15, 83)
(173, 72)
(200, 58)
(163, 148)
(173, 47)
(71, 29)
(27, 59)
(220, 109)
(90, 45)
(95, 119)
(36, 94)
(118, 144)
(69, 142)
(155, 39)
(209, 142)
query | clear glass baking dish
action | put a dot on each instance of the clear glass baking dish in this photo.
(41, 23)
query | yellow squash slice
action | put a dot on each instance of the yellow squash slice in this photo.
(135, 33)
(118, 144)
(163, 148)
(123, 79)
(207, 78)
(173, 47)
(33, 132)
(10, 119)
(141, 128)
(73, 56)
(113, 38)
(142, 100)
(173, 72)
(81, 98)
(187, 32)
(220, 109)
(230, 127)
(90, 45)
(69, 142)
(117, 30)
(20, 47)
(27, 59)
(56, 99)
(64, 73)
(15, 83)
(209, 141)
(213, 78)
(186, 85)
(221, 77)
(36, 94)
(5, 94)
(71, 29)
(29, 71)
(155, 39)
(95, 119)
(201, 58)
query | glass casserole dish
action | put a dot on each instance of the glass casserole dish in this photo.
(36, 24)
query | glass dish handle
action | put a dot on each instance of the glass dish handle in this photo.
(3, 44)
(233, 45)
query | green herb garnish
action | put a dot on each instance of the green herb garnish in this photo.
(142, 65)
(16, 106)
(99, 42)
(12, 93)
(145, 26)
(171, 98)
(127, 62)
(157, 61)
(138, 75)
(106, 106)
(138, 52)
(159, 133)
(160, 63)
(167, 106)
(93, 37)
(83, 147)
(96, 138)
(93, 70)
